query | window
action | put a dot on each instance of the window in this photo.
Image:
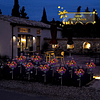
(38, 31)
(25, 41)
(24, 30)
(86, 45)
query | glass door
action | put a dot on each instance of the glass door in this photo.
(29, 43)
(25, 42)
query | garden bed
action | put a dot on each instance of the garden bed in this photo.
(66, 78)
(35, 74)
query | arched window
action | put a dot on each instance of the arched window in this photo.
(86, 45)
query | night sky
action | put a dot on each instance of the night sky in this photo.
(34, 8)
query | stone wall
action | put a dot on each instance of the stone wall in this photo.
(78, 43)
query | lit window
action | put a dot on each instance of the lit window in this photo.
(38, 31)
(86, 45)
(24, 30)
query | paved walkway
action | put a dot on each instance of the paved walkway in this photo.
(14, 95)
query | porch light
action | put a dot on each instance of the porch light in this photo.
(33, 38)
(14, 38)
(70, 46)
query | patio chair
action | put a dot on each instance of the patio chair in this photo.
(60, 54)
(49, 55)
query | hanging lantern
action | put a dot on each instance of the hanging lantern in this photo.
(55, 46)
(70, 44)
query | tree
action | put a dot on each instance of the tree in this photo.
(44, 17)
(58, 23)
(87, 10)
(96, 15)
(0, 11)
(23, 13)
(97, 24)
(15, 10)
(78, 9)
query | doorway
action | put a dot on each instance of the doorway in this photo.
(25, 42)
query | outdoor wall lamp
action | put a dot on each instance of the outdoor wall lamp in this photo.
(14, 38)
(33, 38)
(70, 46)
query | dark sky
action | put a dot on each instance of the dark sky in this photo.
(34, 8)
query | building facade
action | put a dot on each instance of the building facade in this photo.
(18, 35)
(81, 45)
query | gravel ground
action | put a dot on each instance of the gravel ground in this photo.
(59, 92)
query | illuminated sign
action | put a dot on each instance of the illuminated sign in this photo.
(76, 17)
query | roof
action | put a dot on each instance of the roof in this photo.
(23, 21)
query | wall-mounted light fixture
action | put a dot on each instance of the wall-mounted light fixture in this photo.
(14, 38)
(33, 38)
(70, 46)
(33, 42)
